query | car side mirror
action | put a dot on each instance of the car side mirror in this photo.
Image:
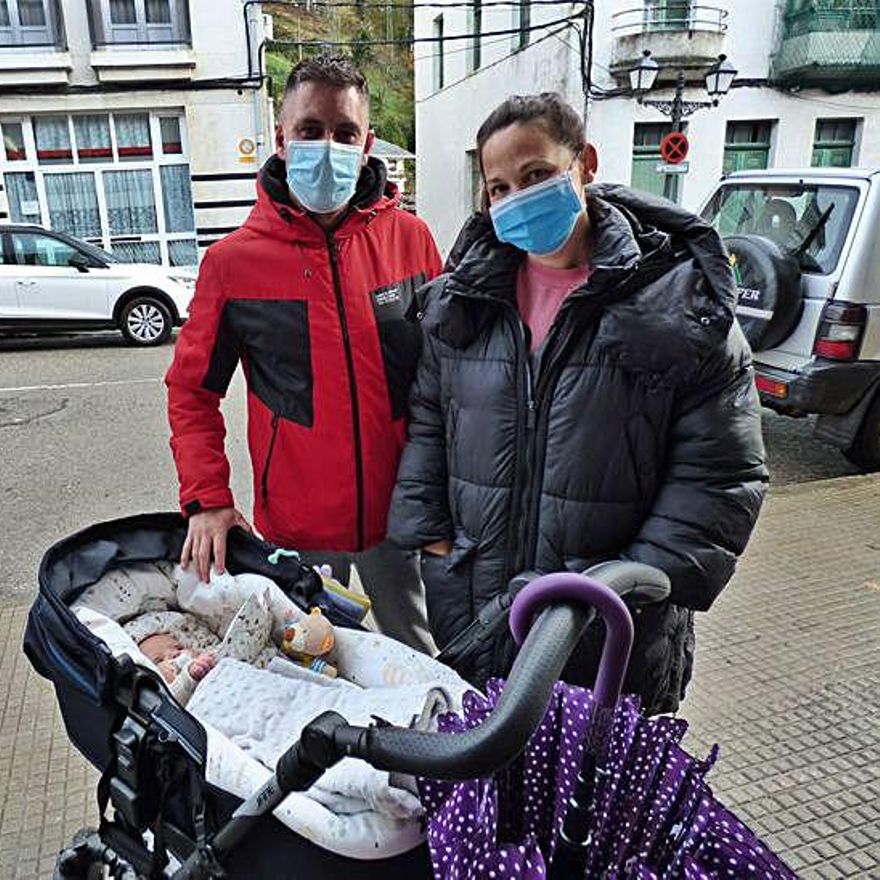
(80, 262)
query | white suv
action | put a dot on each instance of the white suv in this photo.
(805, 247)
(50, 281)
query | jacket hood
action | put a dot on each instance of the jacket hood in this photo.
(634, 237)
(701, 241)
(276, 214)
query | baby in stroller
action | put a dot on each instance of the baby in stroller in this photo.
(181, 670)
(253, 669)
(185, 627)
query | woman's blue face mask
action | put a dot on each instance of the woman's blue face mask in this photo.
(539, 219)
(323, 175)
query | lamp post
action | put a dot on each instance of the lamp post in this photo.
(719, 78)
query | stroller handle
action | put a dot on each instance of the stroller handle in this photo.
(504, 734)
(559, 607)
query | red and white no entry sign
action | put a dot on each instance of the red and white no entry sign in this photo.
(674, 147)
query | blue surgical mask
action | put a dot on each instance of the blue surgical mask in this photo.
(323, 175)
(540, 219)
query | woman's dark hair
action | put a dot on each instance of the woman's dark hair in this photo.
(548, 109)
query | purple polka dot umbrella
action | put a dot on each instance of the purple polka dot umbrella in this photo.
(600, 791)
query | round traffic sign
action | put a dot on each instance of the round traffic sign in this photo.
(674, 147)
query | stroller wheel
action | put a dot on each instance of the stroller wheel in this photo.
(84, 859)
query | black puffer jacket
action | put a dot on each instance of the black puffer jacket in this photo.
(640, 437)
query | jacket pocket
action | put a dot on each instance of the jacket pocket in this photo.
(400, 338)
(276, 349)
(264, 480)
(448, 588)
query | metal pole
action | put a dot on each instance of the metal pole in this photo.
(669, 185)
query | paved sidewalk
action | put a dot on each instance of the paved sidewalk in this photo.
(787, 680)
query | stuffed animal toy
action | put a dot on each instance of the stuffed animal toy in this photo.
(306, 640)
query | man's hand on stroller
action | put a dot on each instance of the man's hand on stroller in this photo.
(206, 539)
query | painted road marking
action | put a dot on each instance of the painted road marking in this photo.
(22, 388)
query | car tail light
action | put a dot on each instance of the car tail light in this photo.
(772, 387)
(840, 331)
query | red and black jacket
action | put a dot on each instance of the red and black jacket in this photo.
(321, 323)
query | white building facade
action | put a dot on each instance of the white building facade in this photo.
(137, 125)
(807, 89)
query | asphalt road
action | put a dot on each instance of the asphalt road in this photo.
(83, 438)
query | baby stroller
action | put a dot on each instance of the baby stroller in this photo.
(152, 753)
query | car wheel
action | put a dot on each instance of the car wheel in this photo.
(865, 450)
(145, 321)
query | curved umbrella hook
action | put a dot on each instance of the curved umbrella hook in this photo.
(566, 587)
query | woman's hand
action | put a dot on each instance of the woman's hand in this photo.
(438, 548)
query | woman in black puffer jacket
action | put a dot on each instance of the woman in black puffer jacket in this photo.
(584, 394)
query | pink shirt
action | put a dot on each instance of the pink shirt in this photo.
(540, 292)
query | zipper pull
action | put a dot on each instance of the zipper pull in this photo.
(531, 414)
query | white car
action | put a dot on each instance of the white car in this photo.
(51, 281)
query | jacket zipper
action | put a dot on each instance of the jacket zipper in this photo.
(265, 479)
(532, 446)
(525, 427)
(352, 387)
(543, 395)
(540, 406)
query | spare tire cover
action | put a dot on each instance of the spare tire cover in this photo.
(768, 281)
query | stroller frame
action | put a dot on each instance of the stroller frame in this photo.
(153, 739)
(562, 617)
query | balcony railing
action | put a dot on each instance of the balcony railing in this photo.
(832, 16)
(828, 43)
(669, 17)
(31, 24)
(139, 23)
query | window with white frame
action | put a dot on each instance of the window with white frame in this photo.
(29, 23)
(120, 180)
(139, 21)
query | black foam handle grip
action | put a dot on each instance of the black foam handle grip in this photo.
(636, 582)
(504, 734)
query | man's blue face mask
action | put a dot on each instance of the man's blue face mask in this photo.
(323, 175)
(539, 219)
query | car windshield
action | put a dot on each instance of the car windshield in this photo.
(809, 221)
(90, 249)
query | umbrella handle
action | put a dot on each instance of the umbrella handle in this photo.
(565, 587)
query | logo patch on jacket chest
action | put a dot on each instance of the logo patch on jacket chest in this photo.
(397, 301)
(388, 303)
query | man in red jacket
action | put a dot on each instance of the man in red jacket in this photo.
(315, 296)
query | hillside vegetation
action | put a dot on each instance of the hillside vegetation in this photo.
(357, 25)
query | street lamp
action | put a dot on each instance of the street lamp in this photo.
(719, 79)
(642, 77)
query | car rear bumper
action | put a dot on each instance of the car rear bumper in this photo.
(823, 386)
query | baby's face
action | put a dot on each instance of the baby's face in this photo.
(162, 646)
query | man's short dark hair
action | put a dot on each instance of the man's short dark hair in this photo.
(338, 71)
